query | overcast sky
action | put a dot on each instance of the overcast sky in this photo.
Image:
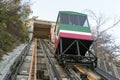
(48, 9)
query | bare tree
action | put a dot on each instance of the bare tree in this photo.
(104, 44)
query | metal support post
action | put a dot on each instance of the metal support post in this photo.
(60, 46)
(78, 48)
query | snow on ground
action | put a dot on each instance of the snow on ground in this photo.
(9, 59)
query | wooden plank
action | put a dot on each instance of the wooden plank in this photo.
(90, 74)
(32, 74)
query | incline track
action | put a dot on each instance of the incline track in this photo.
(69, 69)
(50, 62)
(12, 73)
(44, 66)
(54, 70)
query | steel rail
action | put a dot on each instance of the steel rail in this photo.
(49, 46)
(21, 62)
(56, 73)
(12, 73)
(71, 73)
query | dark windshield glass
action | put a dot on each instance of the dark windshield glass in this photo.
(64, 18)
(74, 20)
(82, 20)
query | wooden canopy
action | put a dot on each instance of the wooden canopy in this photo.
(42, 29)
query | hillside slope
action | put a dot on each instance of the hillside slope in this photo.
(13, 25)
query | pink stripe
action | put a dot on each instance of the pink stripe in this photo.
(56, 43)
(70, 35)
(76, 36)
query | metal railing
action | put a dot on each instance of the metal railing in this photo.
(110, 68)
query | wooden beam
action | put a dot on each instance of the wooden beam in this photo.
(33, 66)
(90, 74)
